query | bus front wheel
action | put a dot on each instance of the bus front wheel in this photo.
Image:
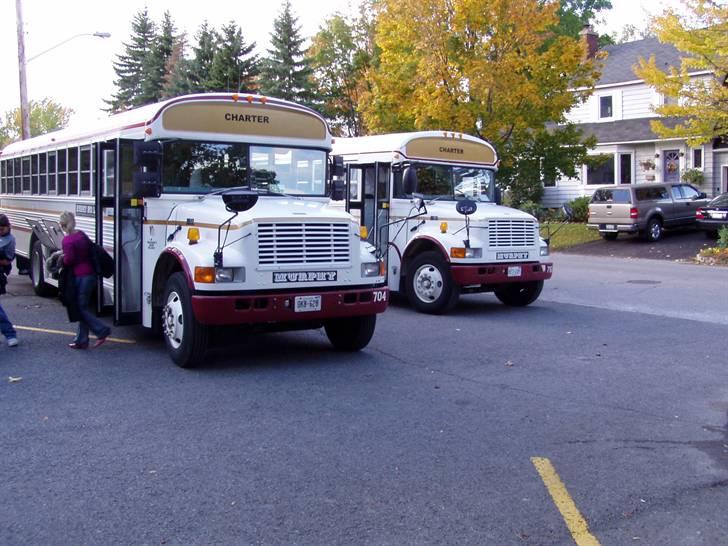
(519, 294)
(350, 334)
(186, 339)
(430, 287)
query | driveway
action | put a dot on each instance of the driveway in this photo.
(677, 245)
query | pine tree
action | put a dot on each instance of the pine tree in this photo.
(164, 44)
(233, 67)
(133, 66)
(286, 73)
(177, 71)
(208, 41)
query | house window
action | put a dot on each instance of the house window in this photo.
(605, 107)
(625, 168)
(698, 158)
(600, 169)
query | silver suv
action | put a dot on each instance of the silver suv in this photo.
(643, 208)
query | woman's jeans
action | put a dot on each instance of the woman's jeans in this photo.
(6, 326)
(84, 288)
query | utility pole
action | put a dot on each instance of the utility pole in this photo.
(24, 113)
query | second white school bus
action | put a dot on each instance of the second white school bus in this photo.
(429, 202)
(213, 208)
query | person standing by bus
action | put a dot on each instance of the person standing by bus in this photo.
(7, 254)
(78, 260)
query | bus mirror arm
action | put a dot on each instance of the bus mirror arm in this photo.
(217, 255)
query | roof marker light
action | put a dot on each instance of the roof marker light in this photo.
(249, 98)
(263, 99)
(148, 130)
(235, 97)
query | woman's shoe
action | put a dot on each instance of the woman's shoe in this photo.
(77, 345)
(100, 341)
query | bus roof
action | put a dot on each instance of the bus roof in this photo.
(193, 117)
(439, 146)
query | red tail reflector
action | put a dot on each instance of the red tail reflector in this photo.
(633, 212)
(700, 214)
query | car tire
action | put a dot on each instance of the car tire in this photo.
(653, 232)
(350, 334)
(186, 339)
(519, 294)
(37, 272)
(609, 236)
(429, 284)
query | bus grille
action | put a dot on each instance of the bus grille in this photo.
(511, 233)
(303, 243)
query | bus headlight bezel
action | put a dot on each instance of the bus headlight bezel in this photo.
(371, 269)
(466, 253)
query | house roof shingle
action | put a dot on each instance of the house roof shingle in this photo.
(618, 66)
(627, 130)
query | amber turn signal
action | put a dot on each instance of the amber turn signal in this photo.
(205, 274)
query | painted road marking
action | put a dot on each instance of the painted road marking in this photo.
(574, 520)
(66, 333)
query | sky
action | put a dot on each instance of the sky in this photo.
(79, 74)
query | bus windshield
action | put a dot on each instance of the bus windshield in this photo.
(449, 182)
(202, 167)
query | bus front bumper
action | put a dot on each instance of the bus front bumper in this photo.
(467, 275)
(282, 307)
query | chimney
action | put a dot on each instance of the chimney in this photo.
(590, 39)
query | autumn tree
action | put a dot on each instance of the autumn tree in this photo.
(45, 116)
(285, 72)
(340, 54)
(700, 32)
(491, 68)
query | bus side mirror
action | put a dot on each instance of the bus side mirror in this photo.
(498, 195)
(148, 154)
(337, 190)
(147, 184)
(409, 181)
(337, 167)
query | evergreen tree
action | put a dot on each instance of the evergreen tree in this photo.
(233, 66)
(286, 73)
(208, 41)
(177, 71)
(134, 66)
(164, 44)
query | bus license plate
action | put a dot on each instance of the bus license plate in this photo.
(303, 304)
(514, 271)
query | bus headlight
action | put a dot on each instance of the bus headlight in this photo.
(229, 274)
(545, 251)
(461, 252)
(372, 269)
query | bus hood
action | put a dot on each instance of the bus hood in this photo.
(267, 208)
(486, 211)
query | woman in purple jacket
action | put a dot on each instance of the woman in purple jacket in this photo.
(77, 255)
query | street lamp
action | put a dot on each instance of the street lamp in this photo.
(22, 63)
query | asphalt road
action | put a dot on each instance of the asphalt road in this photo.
(426, 437)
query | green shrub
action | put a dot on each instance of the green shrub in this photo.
(580, 207)
(723, 237)
(533, 208)
(693, 176)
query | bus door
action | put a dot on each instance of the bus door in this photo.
(368, 192)
(105, 186)
(128, 220)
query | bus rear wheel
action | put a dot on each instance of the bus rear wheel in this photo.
(37, 272)
(430, 287)
(351, 334)
(186, 339)
(519, 294)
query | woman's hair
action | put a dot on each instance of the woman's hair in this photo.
(4, 222)
(67, 221)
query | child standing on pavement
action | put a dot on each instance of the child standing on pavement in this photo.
(7, 254)
(77, 257)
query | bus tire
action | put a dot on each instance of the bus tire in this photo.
(429, 284)
(186, 339)
(519, 294)
(350, 334)
(37, 272)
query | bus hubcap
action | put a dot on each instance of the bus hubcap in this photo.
(428, 283)
(173, 320)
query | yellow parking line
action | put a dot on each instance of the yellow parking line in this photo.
(574, 520)
(66, 333)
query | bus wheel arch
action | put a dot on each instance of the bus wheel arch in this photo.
(186, 339)
(428, 282)
(168, 264)
(37, 270)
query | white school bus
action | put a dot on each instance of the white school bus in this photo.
(429, 203)
(213, 209)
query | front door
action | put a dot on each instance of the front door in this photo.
(128, 215)
(105, 158)
(671, 166)
(368, 193)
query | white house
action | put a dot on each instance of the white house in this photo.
(618, 114)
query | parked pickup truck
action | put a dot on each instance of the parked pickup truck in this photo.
(645, 209)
